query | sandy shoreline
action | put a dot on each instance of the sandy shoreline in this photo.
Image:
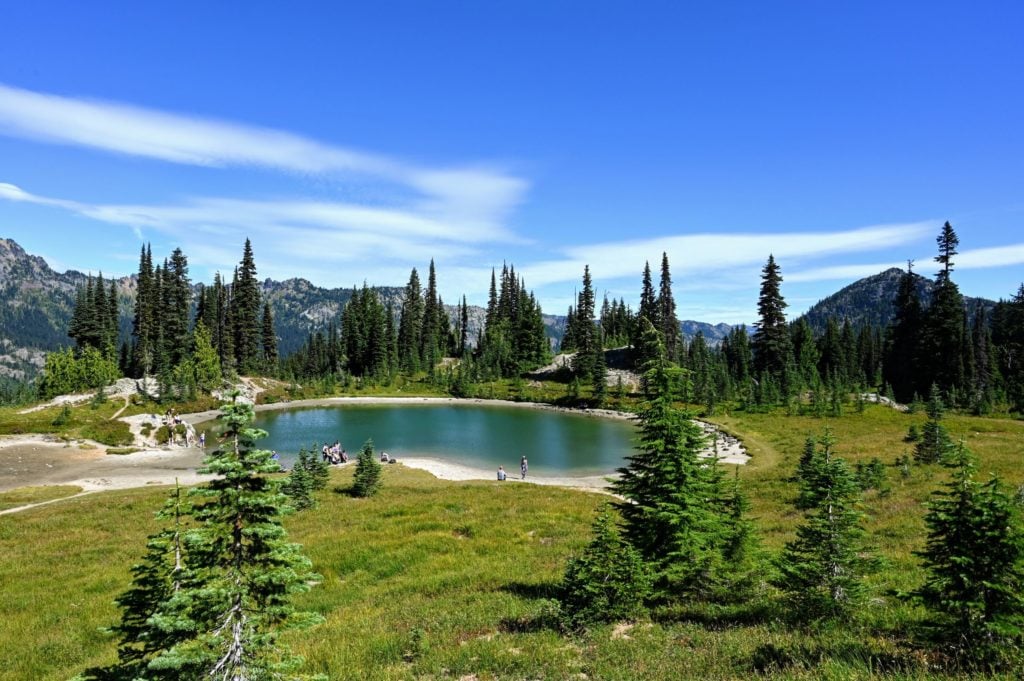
(38, 460)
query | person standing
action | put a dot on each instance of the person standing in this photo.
(523, 467)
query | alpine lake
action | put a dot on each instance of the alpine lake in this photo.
(481, 436)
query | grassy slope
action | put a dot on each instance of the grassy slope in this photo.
(440, 580)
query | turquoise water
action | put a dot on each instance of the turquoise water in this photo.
(556, 443)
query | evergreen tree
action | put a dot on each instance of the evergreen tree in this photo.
(410, 325)
(607, 582)
(154, 581)
(649, 310)
(245, 313)
(435, 322)
(902, 342)
(366, 480)
(174, 316)
(463, 328)
(667, 320)
(269, 338)
(299, 485)
(1008, 342)
(143, 321)
(943, 332)
(975, 563)
(821, 571)
(585, 333)
(934, 444)
(771, 344)
(240, 569)
(666, 487)
(215, 611)
(205, 361)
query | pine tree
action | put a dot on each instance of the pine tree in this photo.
(366, 480)
(410, 325)
(174, 317)
(648, 310)
(667, 320)
(154, 581)
(771, 344)
(205, 361)
(463, 328)
(299, 485)
(975, 563)
(943, 333)
(903, 340)
(935, 443)
(269, 338)
(245, 313)
(241, 570)
(821, 571)
(666, 486)
(585, 333)
(607, 582)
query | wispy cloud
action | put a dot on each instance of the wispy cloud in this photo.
(708, 254)
(983, 258)
(472, 198)
(304, 231)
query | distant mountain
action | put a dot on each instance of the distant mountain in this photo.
(872, 301)
(36, 305)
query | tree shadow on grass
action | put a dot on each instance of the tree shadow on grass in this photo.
(545, 616)
(770, 658)
(532, 591)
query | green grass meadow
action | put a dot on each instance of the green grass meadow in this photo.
(452, 580)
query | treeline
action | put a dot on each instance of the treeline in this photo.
(974, 358)
(375, 343)
(188, 342)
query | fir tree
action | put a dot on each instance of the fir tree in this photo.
(666, 487)
(902, 341)
(240, 569)
(975, 563)
(607, 582)
(154, 581)
(821, 571)
(934, 443)
(667, 320)
(174, 316)
(772, 345)
(205, 362)
(649, 311)
(410, 325)
(299, 485)
(367, 479)
(269, 338)
(943, 333)
(245, 313)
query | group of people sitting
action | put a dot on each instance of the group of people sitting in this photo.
(334, 453)
(387, 458)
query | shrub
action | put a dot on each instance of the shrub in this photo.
(113, 433)
(366, 480)
(607, 582)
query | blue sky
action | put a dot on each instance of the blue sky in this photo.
(353, 141)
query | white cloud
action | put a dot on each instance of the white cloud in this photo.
(841, 272)
(709, 255)
(468, 199)
(982, 258)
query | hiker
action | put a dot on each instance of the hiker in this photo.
(202, 440)
(523, 467)
(501, 473)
